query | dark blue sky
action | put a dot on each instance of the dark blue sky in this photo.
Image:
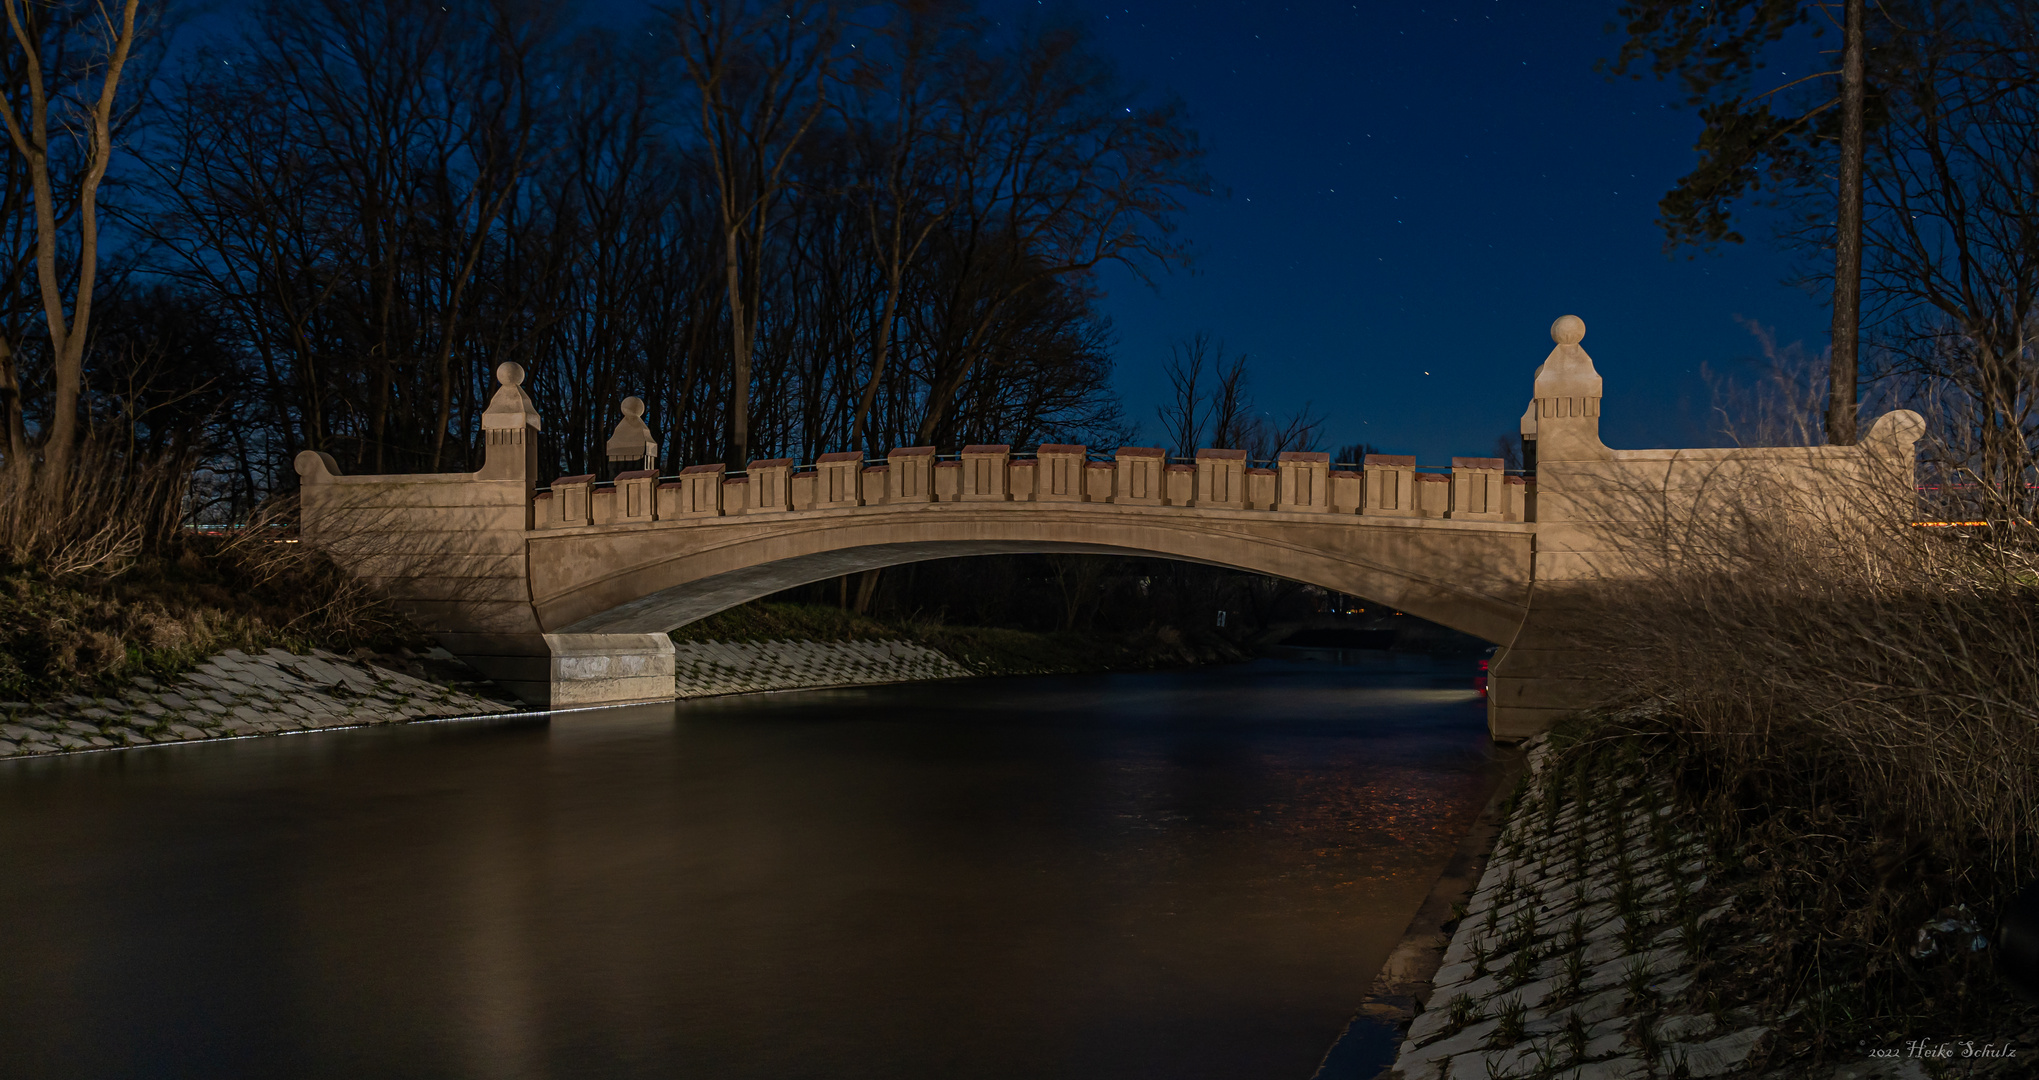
(1416, 191)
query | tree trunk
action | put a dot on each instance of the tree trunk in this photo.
(739, 348)
(867, 589)
(1848, 242)
(10, 405)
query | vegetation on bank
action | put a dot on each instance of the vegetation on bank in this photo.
(165, 614)
(987, 650)
(1849, 704)
(1847, 928)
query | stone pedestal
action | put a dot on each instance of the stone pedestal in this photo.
(570, 671)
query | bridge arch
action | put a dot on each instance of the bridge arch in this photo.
(1470, 576)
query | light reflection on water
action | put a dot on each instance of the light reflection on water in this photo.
(1190, 874)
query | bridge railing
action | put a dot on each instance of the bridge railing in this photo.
(1381, 486)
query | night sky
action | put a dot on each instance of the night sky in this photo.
(1411, 194)
(1416, 192)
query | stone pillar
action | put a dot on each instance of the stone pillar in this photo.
(1179, 480)
(510, 428)
(1305, 481)
(1390, 485)
(1520, 498)
(1433, 495)
(1540, 676)
(1060, 473)
(910, 475)
(1476, 493)
(948, 481)
(1097, 481)
(1024, 476)
(1567, 402)
(635, 498)
(771, 490)
(1221, 479)
(1138, 475)
(873, 481)
(632, 441)
(570, 502)
(836, 480)
(1260, 488)
(697, 493)
(1348, 491)
(985, 473)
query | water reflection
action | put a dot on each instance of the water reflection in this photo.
(1170, 875)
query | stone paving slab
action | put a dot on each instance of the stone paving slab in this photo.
(711, 668)
(236, 694)
(1546, 977)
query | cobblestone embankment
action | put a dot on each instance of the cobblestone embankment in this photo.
(708, 668)
(236, 694)
(1570, 960)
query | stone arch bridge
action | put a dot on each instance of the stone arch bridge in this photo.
(566, 595)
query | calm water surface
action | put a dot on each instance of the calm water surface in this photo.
(1176, 875)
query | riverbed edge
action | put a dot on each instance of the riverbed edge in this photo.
(1405, 976)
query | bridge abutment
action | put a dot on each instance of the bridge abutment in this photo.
(572, 671)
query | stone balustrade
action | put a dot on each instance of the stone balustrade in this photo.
(1301, 482)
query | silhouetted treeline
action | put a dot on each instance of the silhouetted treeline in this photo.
(789, 227)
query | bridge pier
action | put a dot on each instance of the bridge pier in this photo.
(572, 671)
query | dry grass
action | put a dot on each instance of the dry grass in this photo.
(98, 583)
(1851, 703)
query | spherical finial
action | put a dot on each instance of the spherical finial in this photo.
(510, 373)
(1568, 330)
(633, 407)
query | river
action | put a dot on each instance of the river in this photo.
(1170, 875)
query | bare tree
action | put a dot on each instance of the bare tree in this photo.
(1188, 409)
(1952, 242)
(1061, 173)
(761, 79)
(900, 123)
(30, 136)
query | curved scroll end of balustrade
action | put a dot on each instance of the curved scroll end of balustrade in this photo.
(316, 467)
(1897, 430)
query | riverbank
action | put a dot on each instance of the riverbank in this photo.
(1608, 939)
(153, 698)
(238, 694)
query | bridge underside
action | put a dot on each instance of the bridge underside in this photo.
(1471, 576)
(592, 626)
